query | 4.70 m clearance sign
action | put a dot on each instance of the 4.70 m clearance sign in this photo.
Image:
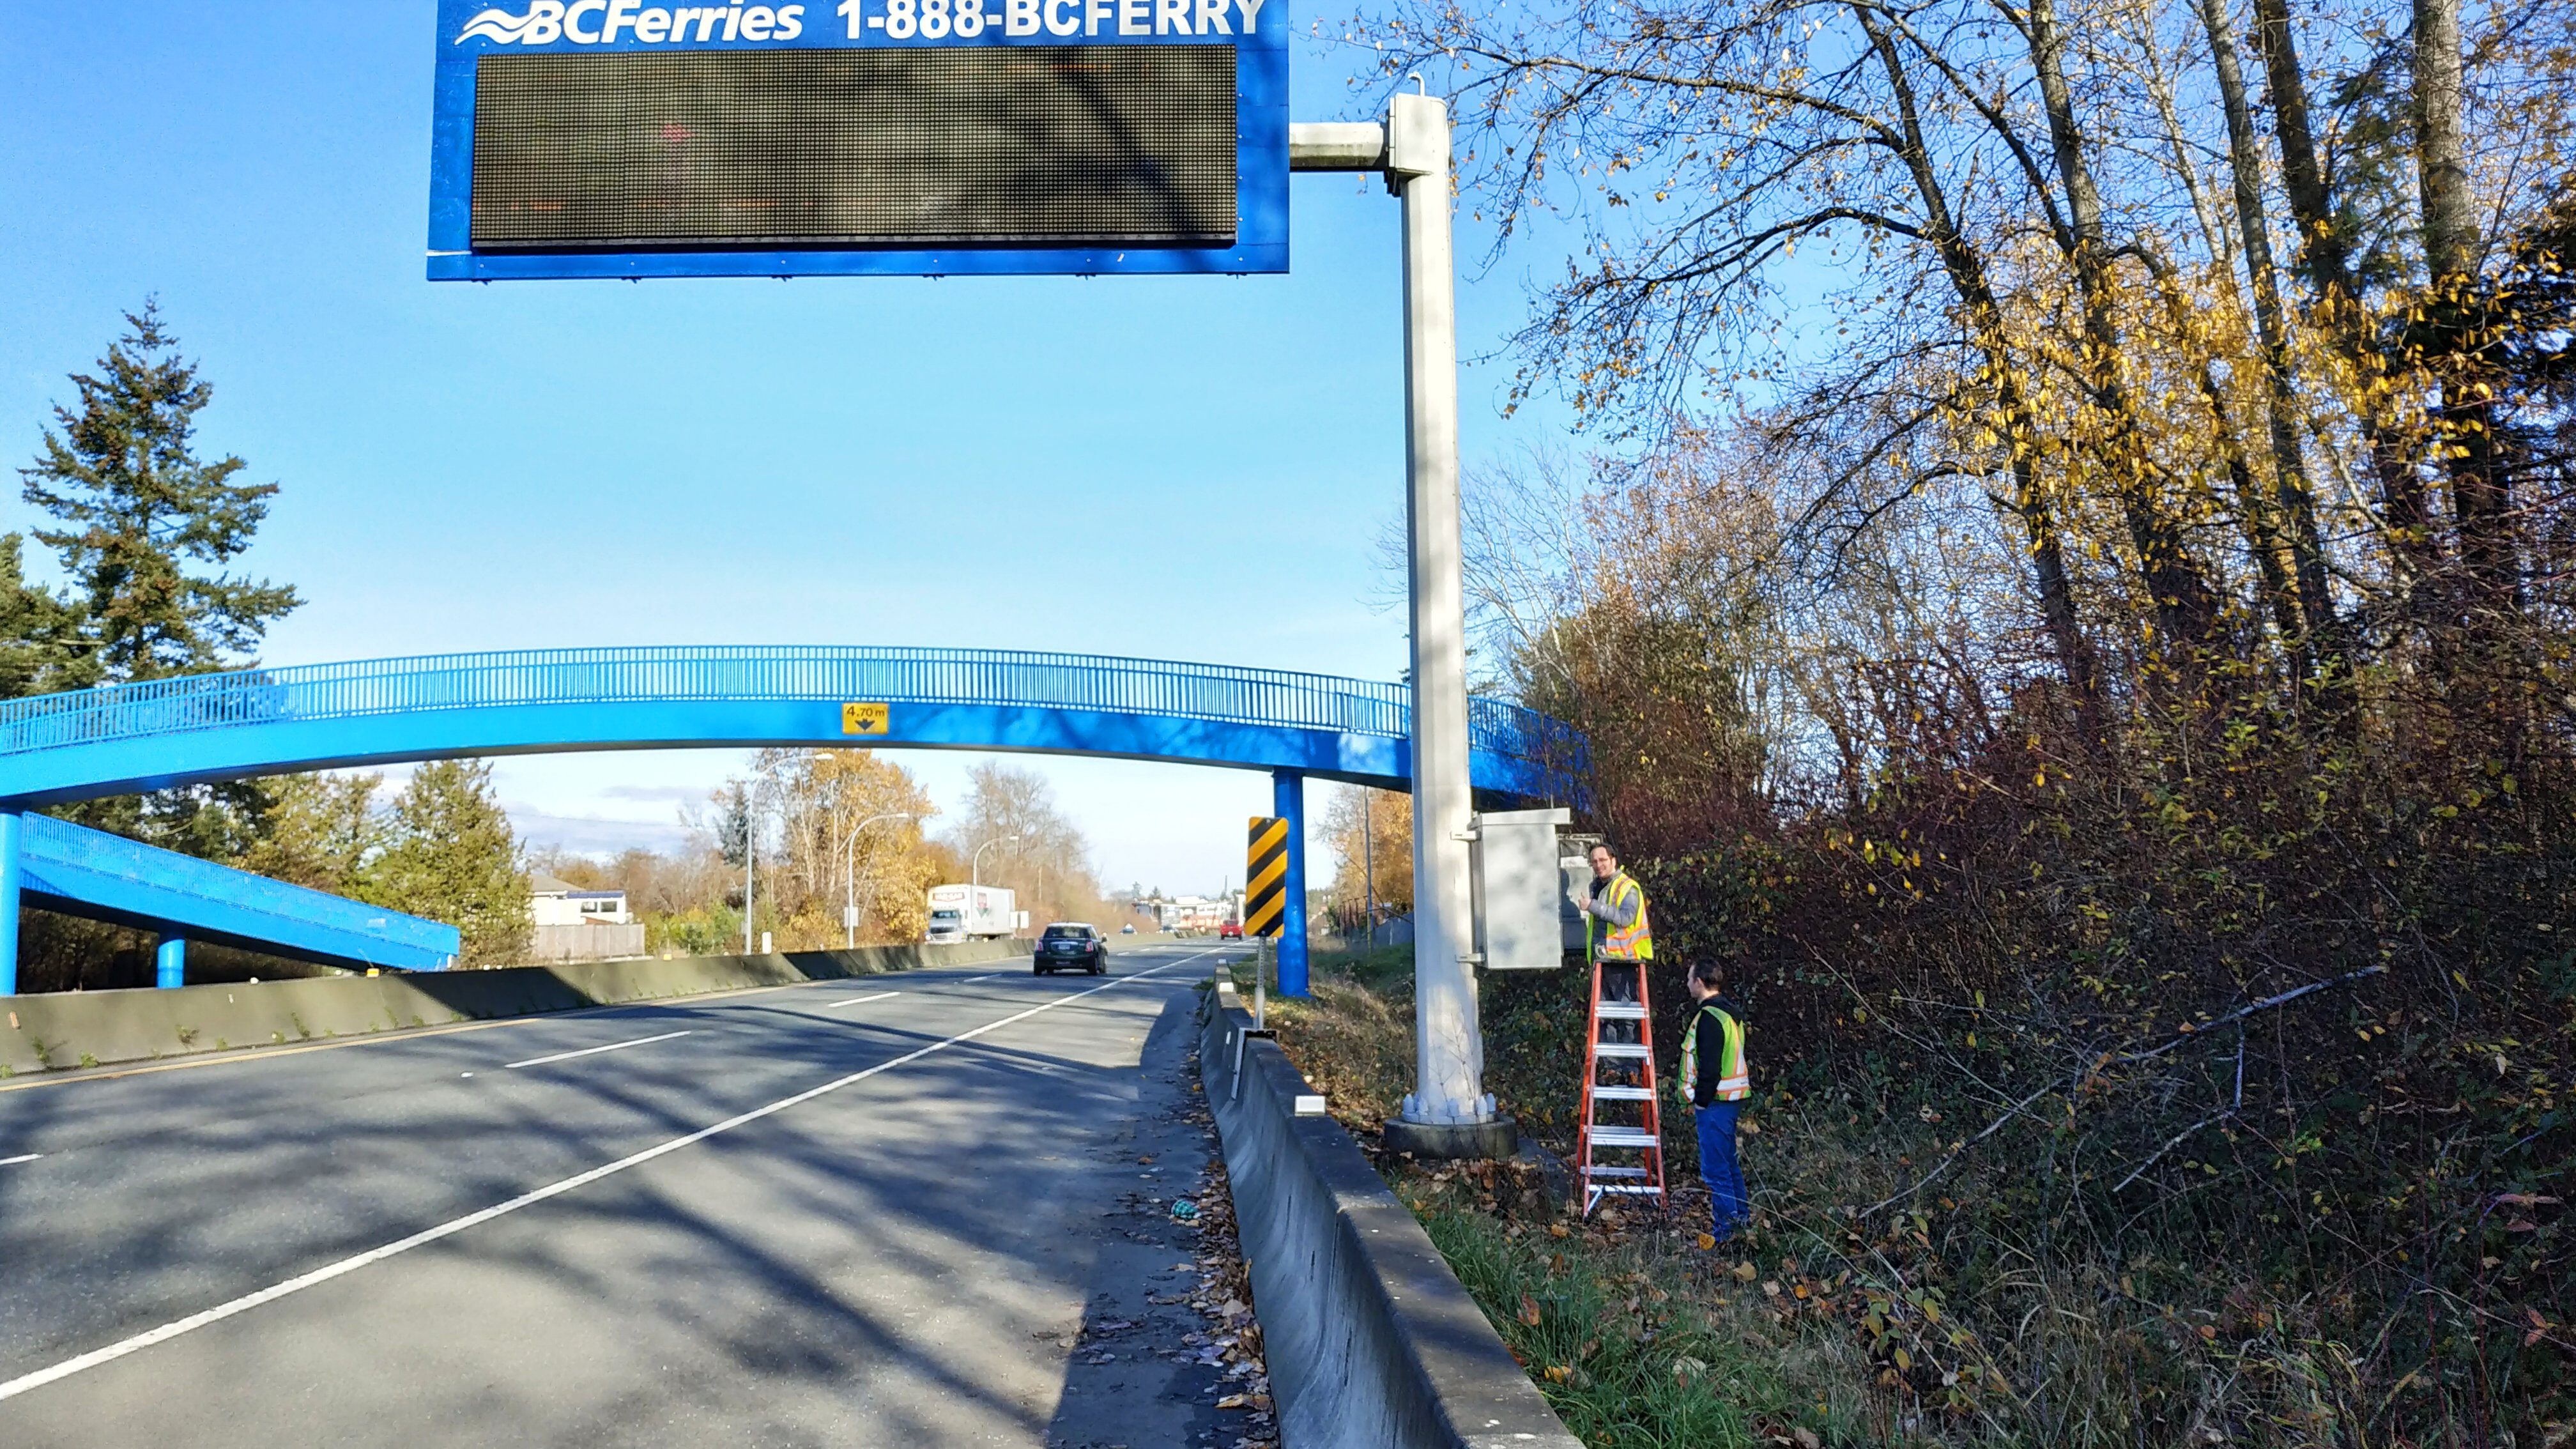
(610, 138)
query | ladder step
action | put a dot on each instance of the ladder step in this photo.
(1619, 1011)
(1629, 1191)
(1620, 1049)
(1623, 1094)
(1623, 1137)
(1614, 1172)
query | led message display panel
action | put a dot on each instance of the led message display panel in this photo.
(606, 138)
(1024, 146)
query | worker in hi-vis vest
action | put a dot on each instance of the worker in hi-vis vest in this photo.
(1615, 930)
(1614, 913)
(1715, 1083)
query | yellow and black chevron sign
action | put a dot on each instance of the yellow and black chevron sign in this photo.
(1265, 876)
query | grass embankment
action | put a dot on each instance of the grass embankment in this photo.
(1829, 1322)
(1638, 1340)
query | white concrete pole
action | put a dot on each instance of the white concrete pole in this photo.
(1448, 1114)
(1449, 1044)
(750, 851)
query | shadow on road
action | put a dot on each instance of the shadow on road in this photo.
(961, 1250)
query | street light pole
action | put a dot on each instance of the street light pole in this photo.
(1368, 868)
(975, 867)
(750, 851)
(849, 874)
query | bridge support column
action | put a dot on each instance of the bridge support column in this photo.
(13, 838)
(1288, 802)
(170, 963)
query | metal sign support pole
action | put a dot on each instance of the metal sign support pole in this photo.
(1449, 1050)
(1288, 794)
(1448, 1113)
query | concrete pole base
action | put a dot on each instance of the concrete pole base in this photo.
(1475, 1141)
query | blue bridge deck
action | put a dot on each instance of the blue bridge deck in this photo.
(206, 727)
(197, 729)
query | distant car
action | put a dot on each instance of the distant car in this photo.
(1230, 931)
(1126, 930)
(1070, 946)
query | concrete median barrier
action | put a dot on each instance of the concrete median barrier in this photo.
(1372, 1342)
(59, 1030)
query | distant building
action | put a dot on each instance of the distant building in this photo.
(1194, 913)
(573, 924)
(553, 902)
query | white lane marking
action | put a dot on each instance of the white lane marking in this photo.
(978, 978)
(94, 1358)
(14, 1161)
(861, 1000)
(593, 1051)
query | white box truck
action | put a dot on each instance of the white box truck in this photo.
(970, 913)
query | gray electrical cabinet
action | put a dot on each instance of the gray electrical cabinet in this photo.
(1574, 864)
(1520, 889)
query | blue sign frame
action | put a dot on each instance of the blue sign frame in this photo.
(467, 29)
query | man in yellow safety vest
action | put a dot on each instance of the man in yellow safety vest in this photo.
(1614, 913)
(1715, 1082)
(1615, 929)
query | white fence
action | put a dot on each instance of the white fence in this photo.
(597, 941)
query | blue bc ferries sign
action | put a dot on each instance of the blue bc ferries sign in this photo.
(610, 138)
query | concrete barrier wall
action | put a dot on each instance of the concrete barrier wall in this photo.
(1372, 1342)
(59, 1030)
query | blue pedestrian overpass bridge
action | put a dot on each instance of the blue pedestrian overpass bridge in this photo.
(197, 729)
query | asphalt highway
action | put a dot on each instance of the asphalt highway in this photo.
(895, 1211)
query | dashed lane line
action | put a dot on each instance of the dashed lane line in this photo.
(27, 1383)
(859, 1000)
(615, 1046)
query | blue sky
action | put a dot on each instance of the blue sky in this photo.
(1191, 468)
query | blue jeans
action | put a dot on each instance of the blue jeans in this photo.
(1729, 1207)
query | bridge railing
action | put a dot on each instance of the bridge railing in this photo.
(1214, 692)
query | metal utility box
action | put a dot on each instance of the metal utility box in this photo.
(1574, 866)
(1519, 889)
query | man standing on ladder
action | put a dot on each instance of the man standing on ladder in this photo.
(1620, 1043)
(1614, 913)
(1715, 1082)
(1615, 929)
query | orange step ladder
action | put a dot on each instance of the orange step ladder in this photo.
(1639, 1170)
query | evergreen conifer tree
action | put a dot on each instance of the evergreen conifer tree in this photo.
(136, 507)
(453, 857)
(40, 643)
(144, 528)
(320, 831)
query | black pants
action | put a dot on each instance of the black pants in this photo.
(1619, 984)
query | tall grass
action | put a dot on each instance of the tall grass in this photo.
(1627, 1361)
(1958, 1317)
